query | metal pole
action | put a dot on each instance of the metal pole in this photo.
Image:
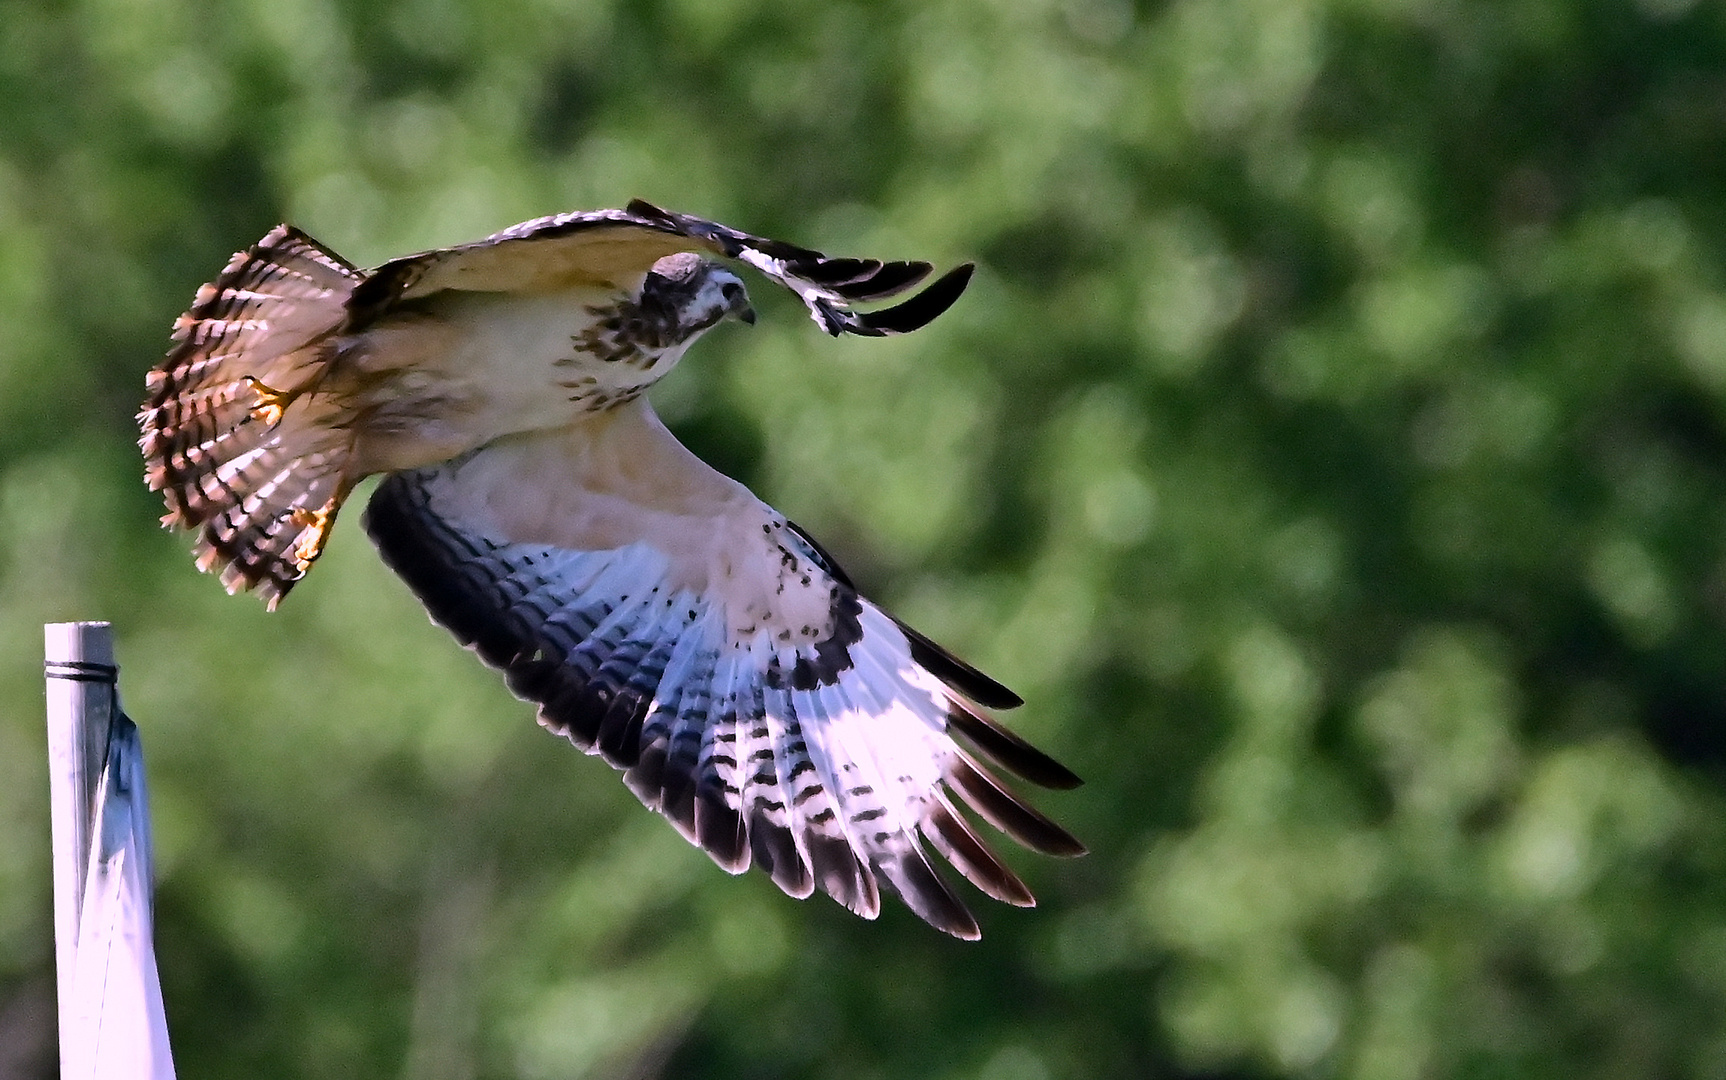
(112, 1025)
(80, 674)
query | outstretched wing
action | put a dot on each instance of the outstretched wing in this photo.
(616, 248)
(664, 618)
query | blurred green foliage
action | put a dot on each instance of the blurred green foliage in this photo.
(1332, 450)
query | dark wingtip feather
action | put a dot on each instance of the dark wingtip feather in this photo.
(776, 852)
(917, 312)
(836, 870)
(677, 798)
(916, 882)
(720, 830)
(1002, 809)
(950, 835)
(835, 320)
(882, 281)
(1011, 752)
(957, 674)
(619, 734)
(647, 777)
(841, 271)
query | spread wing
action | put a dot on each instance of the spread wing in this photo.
(616, 248)
(666, 619)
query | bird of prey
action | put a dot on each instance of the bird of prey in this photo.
(659, 614)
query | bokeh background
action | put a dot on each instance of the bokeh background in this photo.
(1331, 450)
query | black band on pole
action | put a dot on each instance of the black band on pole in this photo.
(81, 671)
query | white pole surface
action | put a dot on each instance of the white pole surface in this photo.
(81, 674)
(111, 1021)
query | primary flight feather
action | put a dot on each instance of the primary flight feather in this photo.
(658, 613)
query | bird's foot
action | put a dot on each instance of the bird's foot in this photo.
(272, 403)
(315, 526)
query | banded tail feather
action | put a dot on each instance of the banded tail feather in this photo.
(231, 439)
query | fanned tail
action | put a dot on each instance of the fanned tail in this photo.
(233, 435)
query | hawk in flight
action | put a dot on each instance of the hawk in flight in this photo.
(659, 614)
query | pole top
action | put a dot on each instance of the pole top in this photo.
(78, 643)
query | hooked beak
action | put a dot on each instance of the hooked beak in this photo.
(736, 300)
(737, 303)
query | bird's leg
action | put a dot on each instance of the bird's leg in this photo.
(315, 526)
(272, 403)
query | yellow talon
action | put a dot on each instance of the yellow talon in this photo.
(315, 528)
(271, 403)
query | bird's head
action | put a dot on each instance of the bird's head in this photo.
(691, 294)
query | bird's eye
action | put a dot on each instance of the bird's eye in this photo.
(731, 291)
